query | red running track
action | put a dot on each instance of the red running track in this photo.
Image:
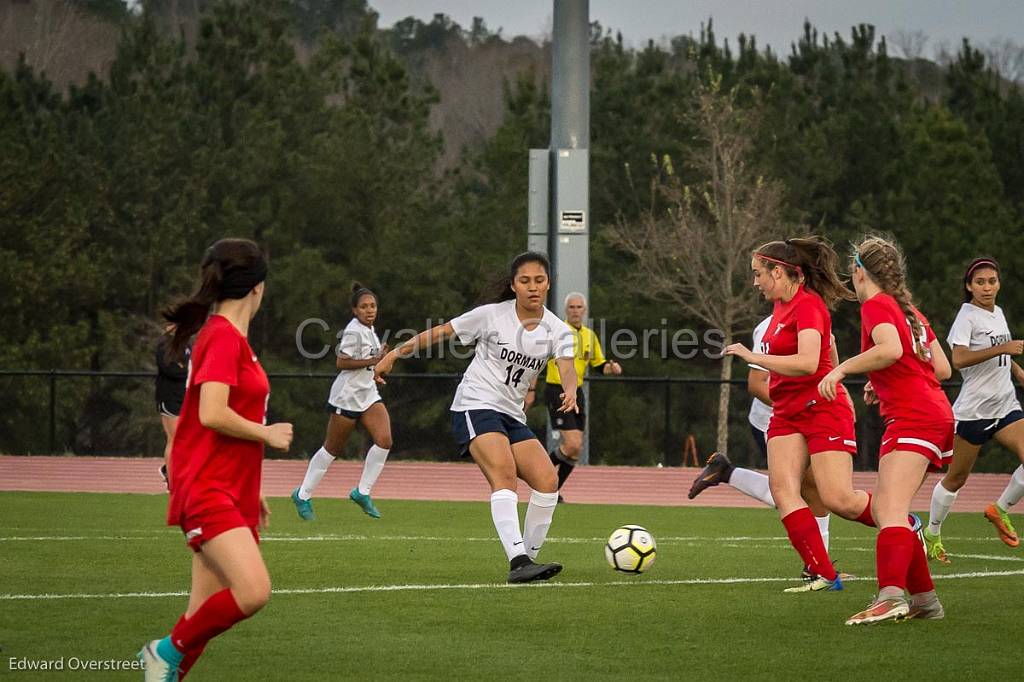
(453, 481)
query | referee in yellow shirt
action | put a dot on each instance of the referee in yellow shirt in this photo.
(572, 424)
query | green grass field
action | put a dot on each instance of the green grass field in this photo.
(419, 594)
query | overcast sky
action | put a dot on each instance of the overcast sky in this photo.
(775, 22)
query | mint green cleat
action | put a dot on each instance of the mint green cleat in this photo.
(364, 502)
(304, 507)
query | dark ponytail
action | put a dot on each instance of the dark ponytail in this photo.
(976, 264)
(230, 269)
(501, 290)
(358, 291)
(812, 259)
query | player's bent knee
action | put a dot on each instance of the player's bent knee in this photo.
(546, 483)
(846, 505)
(253, 596)
(572, 450)
(383, 443)
(502, 479)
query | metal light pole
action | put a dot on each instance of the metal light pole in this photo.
(559, 201)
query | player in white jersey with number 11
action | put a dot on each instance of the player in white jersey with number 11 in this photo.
(354, 400)
(514, 339)
(987, 406)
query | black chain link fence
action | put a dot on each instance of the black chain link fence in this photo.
(641, 421)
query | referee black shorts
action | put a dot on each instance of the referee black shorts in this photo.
(565, 421)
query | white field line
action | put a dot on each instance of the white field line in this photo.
(733, 541)
(479, 586)
(331, 537)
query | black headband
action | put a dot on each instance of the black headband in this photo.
(238, 282)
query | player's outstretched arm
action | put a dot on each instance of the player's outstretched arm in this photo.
(438, 334)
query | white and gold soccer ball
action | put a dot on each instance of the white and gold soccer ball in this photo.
(630, 549)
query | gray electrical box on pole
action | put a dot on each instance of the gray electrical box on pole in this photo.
(537, 203)
(559, 201)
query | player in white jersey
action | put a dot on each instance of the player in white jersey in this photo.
(353, 400)
(754, 483)
(514, 339)
(987, 406)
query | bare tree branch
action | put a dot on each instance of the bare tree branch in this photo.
(910, 43)
(692, 243)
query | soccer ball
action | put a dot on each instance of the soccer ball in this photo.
(630, 549)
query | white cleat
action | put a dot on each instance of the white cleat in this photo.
(155, 667)
(817, 584)
(894, 609)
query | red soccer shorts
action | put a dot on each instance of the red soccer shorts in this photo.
(932, 440)
(826, 426)
(209, 521)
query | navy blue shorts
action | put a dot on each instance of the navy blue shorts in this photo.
(350, 414)
(980, 431)
(468, 425)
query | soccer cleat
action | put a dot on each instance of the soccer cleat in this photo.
(364, 502)
(807, 575)
(717, 470)
(1001, 520)
(894, 609)
(528, 572)
(916, 526)
(933, 547)
(930, 610)
(304, 507)
(817, 584)
(155, 668)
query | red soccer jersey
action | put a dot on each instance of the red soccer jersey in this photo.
(209, 468)
(806, 310)
(907, 389)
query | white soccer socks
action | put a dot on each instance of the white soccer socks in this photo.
(1014, 490)
(318, 466)
(823, 528)
(372, 466)
(942, 502)
(752, 483)
(505, 514)
(538, 520)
